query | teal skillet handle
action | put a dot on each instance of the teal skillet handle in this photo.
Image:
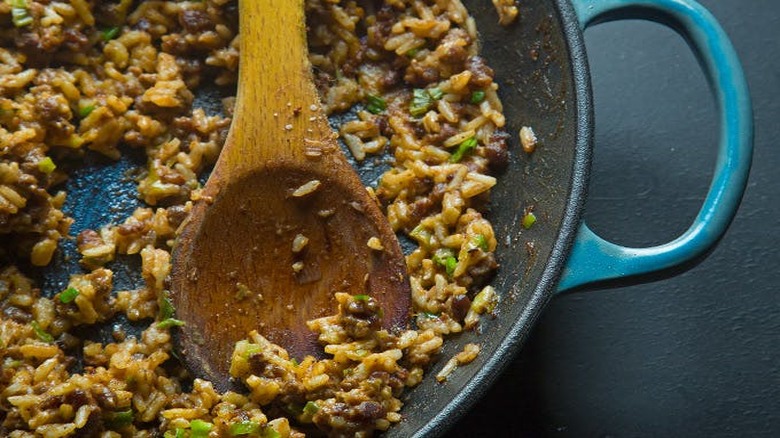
(593, 258)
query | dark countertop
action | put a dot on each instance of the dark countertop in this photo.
(697, 352)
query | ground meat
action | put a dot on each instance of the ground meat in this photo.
(16, 314)
(421, 75)
(74, 40)
(194, 20)
(496, 151)
(361, 317)
(455, 53)
(390, 78)
(380, 32)
(459, 307)
(176, 215)
(94, 425)
(368, 411)
(482, 75)
(446, 131)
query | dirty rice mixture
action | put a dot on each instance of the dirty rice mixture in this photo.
(81, 77)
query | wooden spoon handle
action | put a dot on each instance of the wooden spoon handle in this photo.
(279, 102)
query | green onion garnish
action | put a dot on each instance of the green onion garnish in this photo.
(421, 235)
(477, 96)
(360, 297)
(68, 295)
(375, 104)
(42, 334)
(310, 408)
(120, 418)
(529, 220)
(20, 16)
(244, 428)
(200, 428)
(464, 148)
(110, 33)
(86, 110)
(446, 257)
(166, 306)
(252, 349)
(422, 100)
(435, 93)
(46, 165)
(270, 432)
(480, 241)
(170, 322)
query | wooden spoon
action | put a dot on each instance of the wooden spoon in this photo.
(281, 180)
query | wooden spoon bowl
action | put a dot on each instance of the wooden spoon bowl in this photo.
(283, 222)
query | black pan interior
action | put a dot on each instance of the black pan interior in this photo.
(540, 88)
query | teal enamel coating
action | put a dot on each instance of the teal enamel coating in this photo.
(593, 258)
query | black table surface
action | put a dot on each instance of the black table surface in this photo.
(697, 352)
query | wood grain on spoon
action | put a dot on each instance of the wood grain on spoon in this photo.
(281, 180)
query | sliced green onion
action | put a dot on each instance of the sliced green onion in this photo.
(429, 315)
(412, 52)
(46, 165)
(110, 33)
(310, 408)
(86, 110)
(421, 235)
(450, 264)
(166, 306)
(360, 297)
(446, 257)
(170, 322)
(485, 301)
(251, 351)
(120, 418)
(441, 254)
(200, 428)
(421, 102)
(20, 15)
(375, 104)
(529, 220)
(42, 334)
(68, 295)
(464, 148)
(179, 433)
(270, 432)
(480, 241)
(436, 93)
(244, 428)
(477, 96)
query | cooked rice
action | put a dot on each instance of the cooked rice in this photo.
(79, 76)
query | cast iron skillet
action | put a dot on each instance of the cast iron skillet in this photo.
(541, 67)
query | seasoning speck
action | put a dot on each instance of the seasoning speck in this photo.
(297, 267)
(288, 127)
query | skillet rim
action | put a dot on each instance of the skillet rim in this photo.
(516, 336)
